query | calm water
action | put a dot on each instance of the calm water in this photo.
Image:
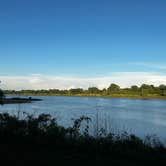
(137, 116)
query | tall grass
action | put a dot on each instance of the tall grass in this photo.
(44, 133)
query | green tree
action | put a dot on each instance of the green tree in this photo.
(162, 90)
(75, 91)
(145, 89)
(93, 90)
(134, 88)
(113, 88)
(104, 91)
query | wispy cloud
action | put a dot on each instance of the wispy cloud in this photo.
(150, 65)
(37, 81)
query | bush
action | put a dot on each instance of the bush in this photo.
(42, 134)
(2, 95)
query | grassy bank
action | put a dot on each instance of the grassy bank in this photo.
(155, 96)
(41, 141)
(144, 92)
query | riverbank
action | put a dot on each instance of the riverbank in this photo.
(98, 95)
(17, 100)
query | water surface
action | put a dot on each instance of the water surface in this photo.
(138, 116)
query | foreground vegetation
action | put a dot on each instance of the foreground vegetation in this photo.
(41, 141)
(144, 91)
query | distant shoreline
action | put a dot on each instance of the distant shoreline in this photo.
(145, 91)
(95, 95)
(18, 100)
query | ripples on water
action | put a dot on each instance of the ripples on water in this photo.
(137, 116)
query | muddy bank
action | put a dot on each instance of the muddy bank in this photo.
(17, 100)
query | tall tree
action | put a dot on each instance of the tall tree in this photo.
(94, 90)
(162, 90)
(113, 88)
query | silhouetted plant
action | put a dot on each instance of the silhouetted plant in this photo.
(2, 96)
(75, 129)
(43, 131)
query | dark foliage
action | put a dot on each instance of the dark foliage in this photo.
(41, 141)
(2, 95)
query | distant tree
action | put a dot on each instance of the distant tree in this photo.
(145, 86)
(162, 87)
(145, 89)
(104, 91)
(134, 88)
(162, 90)
(75, 91)
(93, 90)
(113, 88)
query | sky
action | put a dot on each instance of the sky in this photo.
(66, 44)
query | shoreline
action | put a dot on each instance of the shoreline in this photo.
(102, 96)
(18, 100)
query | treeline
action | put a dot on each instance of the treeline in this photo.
(144, 90)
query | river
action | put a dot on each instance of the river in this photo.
(138, 116)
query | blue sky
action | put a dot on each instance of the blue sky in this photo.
(82, 38)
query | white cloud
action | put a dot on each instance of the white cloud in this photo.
(37, 81)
